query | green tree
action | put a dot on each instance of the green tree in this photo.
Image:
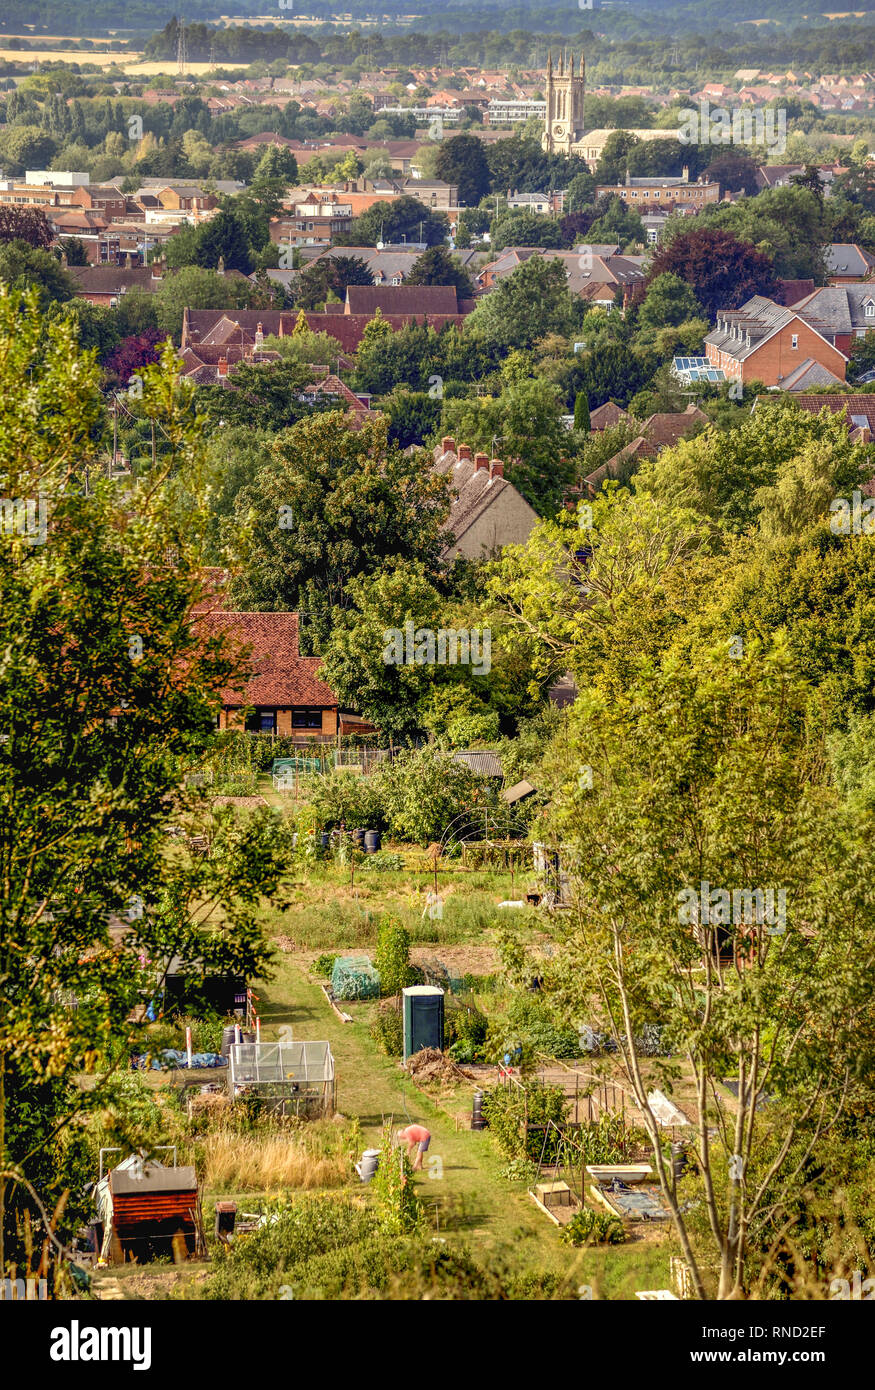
(669, 301)
(461, 160)
(524, 306)
(277, 163)
(330, 275)
(24, 267)
(617, 223)
(581, 413)
(438, 267)
(334, 503)
(195, 288)
(401, 219)
(266, 396)
(525, 420)
(516, 228)
(580, 193)
(97, 627)
(737, 988)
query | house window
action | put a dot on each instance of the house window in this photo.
(870, 308)
(794, 341)
(306, 719)
(263, 721)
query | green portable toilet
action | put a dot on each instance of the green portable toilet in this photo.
(423, 1018)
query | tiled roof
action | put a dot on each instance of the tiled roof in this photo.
(109, 279)
(809, 373)
(845, 258)
(862, 405)
(474, 492)
(604, 416)
(839, 308)
(790, 291)
(664, 429)
(281, 677)
(401, 299)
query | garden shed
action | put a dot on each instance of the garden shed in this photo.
(149, 1209)
(291, 1078)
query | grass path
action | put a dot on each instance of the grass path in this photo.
(469, 1196)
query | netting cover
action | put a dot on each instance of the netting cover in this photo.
(353, 977)
(434, 972)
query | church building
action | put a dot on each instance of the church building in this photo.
(564, 128)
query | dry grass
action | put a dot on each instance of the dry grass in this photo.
(233, 1162)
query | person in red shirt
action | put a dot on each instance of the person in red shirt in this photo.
(416, 1137)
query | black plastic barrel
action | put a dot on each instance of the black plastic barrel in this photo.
(372, 841)
(325, 839)
(358, 838)
(477, 1120)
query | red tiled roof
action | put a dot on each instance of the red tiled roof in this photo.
(661, 430)
(281, 677)
(401, 299)
(604, 416)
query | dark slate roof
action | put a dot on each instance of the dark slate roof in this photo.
(845, 258)
(839, 308)
(809, 373)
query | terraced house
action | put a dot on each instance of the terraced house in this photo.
(764, 341)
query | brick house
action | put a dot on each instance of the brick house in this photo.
(284, 694)
(764, 341)
(843, 313)
(105, 284)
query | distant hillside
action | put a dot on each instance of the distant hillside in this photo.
(752, 21)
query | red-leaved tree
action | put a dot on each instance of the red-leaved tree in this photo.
(723, 271)
(133, 353)
(25, 224)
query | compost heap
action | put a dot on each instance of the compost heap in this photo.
(430, 1065)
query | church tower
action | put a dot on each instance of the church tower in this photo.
(564, 127)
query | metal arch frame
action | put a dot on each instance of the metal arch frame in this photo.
(468, 825)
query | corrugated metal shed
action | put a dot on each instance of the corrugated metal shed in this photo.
(482, 764)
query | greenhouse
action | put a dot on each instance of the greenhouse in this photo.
(290, 1078)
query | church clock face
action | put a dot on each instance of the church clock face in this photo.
(559, 131)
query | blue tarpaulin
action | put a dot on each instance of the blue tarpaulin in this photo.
(172, 1057)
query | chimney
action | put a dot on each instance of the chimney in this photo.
(496, 469)
(448, 445)
(259, 338)
(465, 452)
(685, 175)
(480, 461)
(223, 366)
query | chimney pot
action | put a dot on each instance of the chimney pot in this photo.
(465, 451)
(448, 445)
(496, 469)
(481, 461)
(223, 366)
